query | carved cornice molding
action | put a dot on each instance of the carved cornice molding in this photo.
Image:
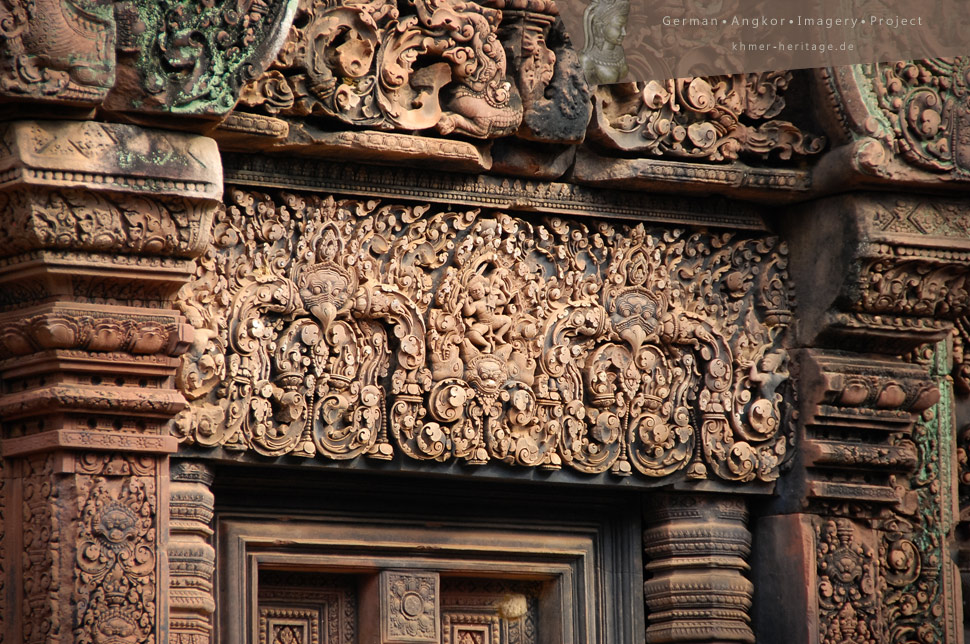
(545, 197)
(896, 266)
(539, 345)
(856, 421)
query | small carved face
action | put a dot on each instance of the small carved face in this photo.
(476, 289)
(116, 525)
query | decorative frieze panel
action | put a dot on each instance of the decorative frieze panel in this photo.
(338, 329)
(299, 608)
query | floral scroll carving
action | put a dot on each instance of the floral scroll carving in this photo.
(847, 581)
(192, 58)
(42, 550)
(345, 328)
(116, 581)
(717, 118)
(925, 102)
(426, 64)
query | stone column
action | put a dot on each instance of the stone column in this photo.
(99, 227)
(191, 557)
(696, 549)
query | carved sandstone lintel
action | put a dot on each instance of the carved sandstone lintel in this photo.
(386, 330)
(696, 549)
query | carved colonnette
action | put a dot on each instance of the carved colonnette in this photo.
(101, 223)
(191, 557)
(696, 549)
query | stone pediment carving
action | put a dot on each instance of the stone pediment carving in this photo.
(343, 328)
(444, 66)
(905, 121)
(715, 118)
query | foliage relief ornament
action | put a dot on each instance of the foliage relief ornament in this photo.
(194, 57)
(713, 118)
(926, 105)
(422, 64)
(115, 585)
(346, 328)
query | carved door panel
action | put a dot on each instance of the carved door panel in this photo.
(395, 607)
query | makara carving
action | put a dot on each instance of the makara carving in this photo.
(546, 345)
(717, 118)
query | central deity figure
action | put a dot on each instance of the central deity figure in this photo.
(488, 326)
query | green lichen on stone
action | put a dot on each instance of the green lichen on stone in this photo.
(194, 56)
(917, 592)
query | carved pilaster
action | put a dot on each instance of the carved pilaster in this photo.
(696, 551)
(858, 414)
(880, 273)
(191, 558)
(100, 224)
